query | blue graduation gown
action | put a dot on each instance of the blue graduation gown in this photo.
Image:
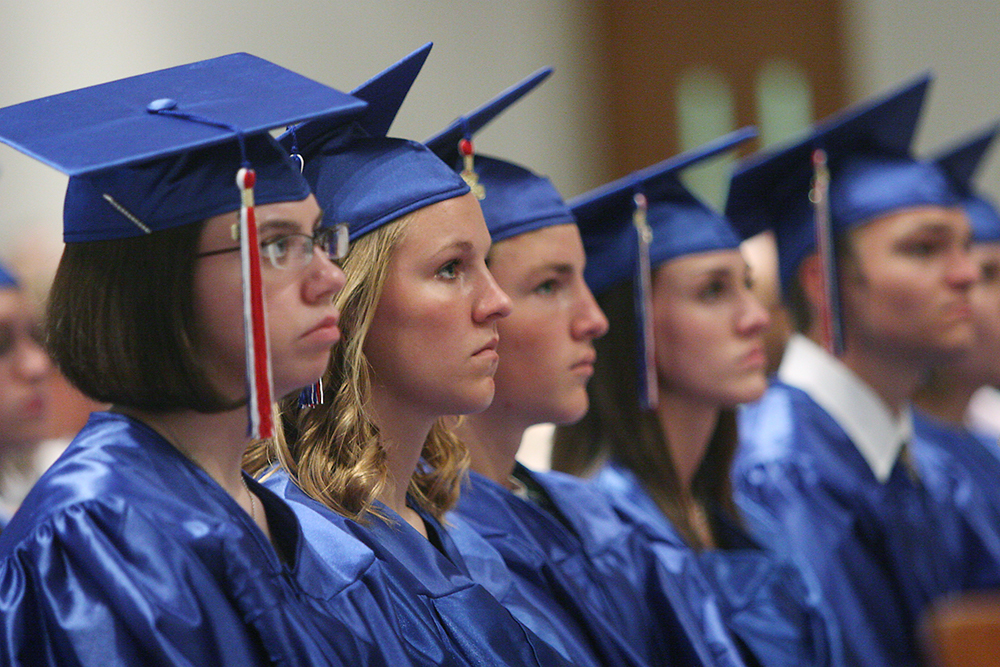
(440, 613)
(482, 563)
(127, 553)
(763, 600)
(961, 469)
(581, 562)
(879, 551)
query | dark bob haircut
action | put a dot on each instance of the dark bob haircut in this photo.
(121, 326)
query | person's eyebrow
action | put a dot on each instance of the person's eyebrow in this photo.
(561, 268)
(286, 226)
(721, 271)
(463, 246)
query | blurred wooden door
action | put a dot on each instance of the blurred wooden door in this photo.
(657, 51)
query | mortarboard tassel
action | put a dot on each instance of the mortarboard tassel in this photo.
(469, 175)
(258, 365)
(831, 333)
(312, 395)
(254, 318)
(648, 389)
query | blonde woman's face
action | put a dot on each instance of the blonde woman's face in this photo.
(432, 345)
(708, 329)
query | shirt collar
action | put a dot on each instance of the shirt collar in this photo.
(864, 416)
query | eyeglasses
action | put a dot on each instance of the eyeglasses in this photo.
(295, 251)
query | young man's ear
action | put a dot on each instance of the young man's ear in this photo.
(811, 281)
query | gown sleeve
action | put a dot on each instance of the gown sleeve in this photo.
(76, 592)
(836, 546)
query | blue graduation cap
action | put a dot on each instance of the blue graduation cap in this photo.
(681, 224)
(7, 279)
(384, 94)
(363, 178)
(386, 91)
(640, 221)
(960, 163)
(177, 146)
(115, 147)
(871, 173)
(514, 199)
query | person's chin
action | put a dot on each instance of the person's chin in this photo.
(289, 386)
(570, 407)
(479, 399)
(568, 415)
(747, 391)
(953, 344)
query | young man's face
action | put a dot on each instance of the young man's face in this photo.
(905, 286)
(547, 344)
(982, 365)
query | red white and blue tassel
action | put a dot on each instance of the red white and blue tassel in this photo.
(468, 173)
(648, 386)
(312, 395)
(261, 418)
(829, 307)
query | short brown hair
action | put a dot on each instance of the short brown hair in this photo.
(800, 311)
(120, 322)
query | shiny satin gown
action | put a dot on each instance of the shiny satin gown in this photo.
(127, 553)
(442, 616)
(881, 552)
(961, 468)
(571, 553)
(763, 600)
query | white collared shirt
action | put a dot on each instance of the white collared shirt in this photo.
(864, 416)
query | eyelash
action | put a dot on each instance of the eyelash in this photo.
(547, 287)
(989, 272)
(922, 248)
(449, 267)
(712, 290)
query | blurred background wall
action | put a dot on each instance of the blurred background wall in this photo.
(614, 101)
(635, 80)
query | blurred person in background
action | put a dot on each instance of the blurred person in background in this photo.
(26, 405)
(826, 456)
(685, 348)
(960, 462)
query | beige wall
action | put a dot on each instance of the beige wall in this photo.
(49, 46)
(955, 39)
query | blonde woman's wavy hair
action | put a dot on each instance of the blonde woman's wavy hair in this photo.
(334, 451)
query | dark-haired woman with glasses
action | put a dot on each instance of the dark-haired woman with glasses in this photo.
(145, 543)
